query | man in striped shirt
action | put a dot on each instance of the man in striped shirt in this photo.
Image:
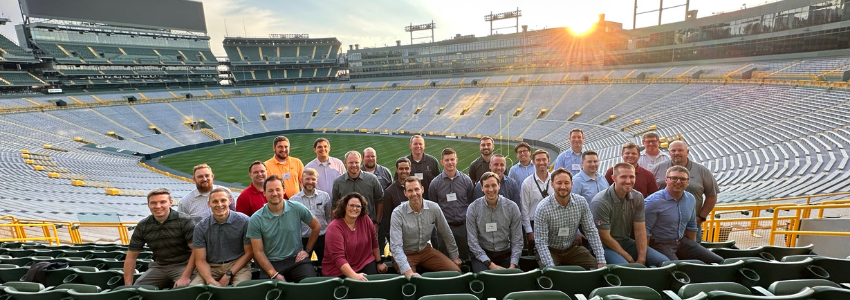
(557, 218)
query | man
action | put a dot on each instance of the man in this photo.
(644, 179)
(194, 203)
(252, 198)
(556, 223)
(482, 163)
(533, 189)
(168, 233)
(275, 234)
(571, 159)
(651, 154)
(701, 183)
(589, 182)
(287, 168)
(412, 224)
(370, 165)
(671, 219)
(524, 168)
(452, 190)
(508, 187)
(423, 166)
(364, 183)
(618, 212)
(222, 252)
(328, 168)
(494, 227)
(319, 204)
(394, 194)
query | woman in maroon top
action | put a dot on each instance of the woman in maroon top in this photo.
(351, 242)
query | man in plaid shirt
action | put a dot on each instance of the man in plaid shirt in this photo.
(557, 219)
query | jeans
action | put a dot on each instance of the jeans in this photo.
(653, 258)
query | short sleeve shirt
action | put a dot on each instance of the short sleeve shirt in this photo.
(617, 215)
(169, 241)
(224, 242)
(281, 234)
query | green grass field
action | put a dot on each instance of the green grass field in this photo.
(230, 162)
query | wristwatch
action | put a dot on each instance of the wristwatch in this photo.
(229, 273)
(487, 263)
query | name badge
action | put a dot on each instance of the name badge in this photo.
(451, 197)
(576, 166)
(419, 175)
(285, 176)
(564, 231)
(490, 227)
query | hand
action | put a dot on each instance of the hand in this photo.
(183, 281)
(360, 276)
(530, 236)
(224, 281)
(600, 265)
(382, 268)
(493, 266)
(628, 258)
(578, 239)
(512, 266)
(457, 261)
(280, 277)
(641, 261)
(410, 273)
(215, 283)
(301, 255)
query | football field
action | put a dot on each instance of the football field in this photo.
(230, 162)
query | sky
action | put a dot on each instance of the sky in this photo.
(377, 23)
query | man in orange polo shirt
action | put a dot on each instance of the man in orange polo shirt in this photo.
(287, 168)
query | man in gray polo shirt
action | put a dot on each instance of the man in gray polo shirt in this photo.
(701, 182)
(452, 190)
(222, 252)
(618, 213)
(365, 183)
(194, 203)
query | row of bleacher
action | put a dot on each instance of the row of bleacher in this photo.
(245, 54)
(12, 53)
(67, 53)
(284, 74)
(19, 78)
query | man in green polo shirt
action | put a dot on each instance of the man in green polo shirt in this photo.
(275, 233)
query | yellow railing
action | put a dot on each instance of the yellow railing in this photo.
(20, 233)
(792, 232)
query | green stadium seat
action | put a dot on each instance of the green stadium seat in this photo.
(737, 253)
(13, 274)
(125, 293)
(537, 295)
(266, 290)
(694, 289)
(778, 253)
(636, 292)
(830, 293)
(690, 273)
(324, 289)
(105, 279)
(659, 279)
(15, 294)
(724, 295)
(836, 270)
(23, 286)
(386, 286)
(763, 273)
(194, 292)
(498, 283)
(788, 287)
(450, 297)
(572, 279)
(712, 245)
(447, 282)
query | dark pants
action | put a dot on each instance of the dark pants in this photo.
(501, 258)
(382, 239)
(459, 235)
(529, 243)
(684, 249)
(574, 255)
(318, 248)
(292, 271)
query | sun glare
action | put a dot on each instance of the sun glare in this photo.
(581, 26)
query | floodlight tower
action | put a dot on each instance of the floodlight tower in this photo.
(660, 10)
(504, 16)
(421, 27)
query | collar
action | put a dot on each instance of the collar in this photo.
(304, 195)
(377, 167)
(267, 213)
(251, 189)
(499, 202)
(613, 194)
(279, 162)
(582, 174)
(669, 197)
(172, 215)
(230, 218)
(359, 176)
(407, 209)
(548, 176)
(570, 151)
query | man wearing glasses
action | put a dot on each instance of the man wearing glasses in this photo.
(652, 155)
(671, 220)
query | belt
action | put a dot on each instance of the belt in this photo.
(456, 224)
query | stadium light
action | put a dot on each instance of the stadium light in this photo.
(504, 16)
(421, 27)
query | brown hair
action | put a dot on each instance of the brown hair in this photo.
(588, 152)
(520, 145)
(630, 145)
(256, 162)
(278, 140)
(447, 151)
(488, 175)
(560, 171)
(271, 178)
(159, 191)
(201, 166)
(339, 210)
(539, 151)
(622, 165)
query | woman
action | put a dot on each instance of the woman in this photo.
(351, 242)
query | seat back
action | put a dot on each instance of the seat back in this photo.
(498, 283)
(693, 289)
(836, 269)
(713, 245)
(386, 286)
(659, 279)
(80, 288)
(266, 290)
(194, 292)
(436, 284)
(764, 273)
(777, 252)
(737, 253)
(23, 286)
(450, 297)
(723, 295)
(325, 289)
(700, 273)
(788, 287)
(537, 295)
(830, 293)
(572, 279)
(637, 292)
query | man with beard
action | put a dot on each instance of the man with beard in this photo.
(287, 168)
(482, 163)
(319, 204)
(452, 190)
(169, 235)
(556, 223)
(422, 165)
(412, 224)
(618, 212)
(354, 180)
(671, 219)
(275, 233)
(701, 183)
(194, 203)
(508, 188)
(328, 167)
(222, 252)
(589, 182)
(524, 168)
(394, 194)
(533, 189)
(644, 179)
(571, 159)
(651, 154)
(252, 198)
(494, 227)
(370, 165)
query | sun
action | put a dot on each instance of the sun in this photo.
(581, 25)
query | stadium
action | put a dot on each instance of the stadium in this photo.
(98, 106)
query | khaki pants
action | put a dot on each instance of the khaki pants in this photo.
(218, 271)
(574, 255)
(162, 276)
(430, 259)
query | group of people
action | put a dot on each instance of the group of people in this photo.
(646, 209)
